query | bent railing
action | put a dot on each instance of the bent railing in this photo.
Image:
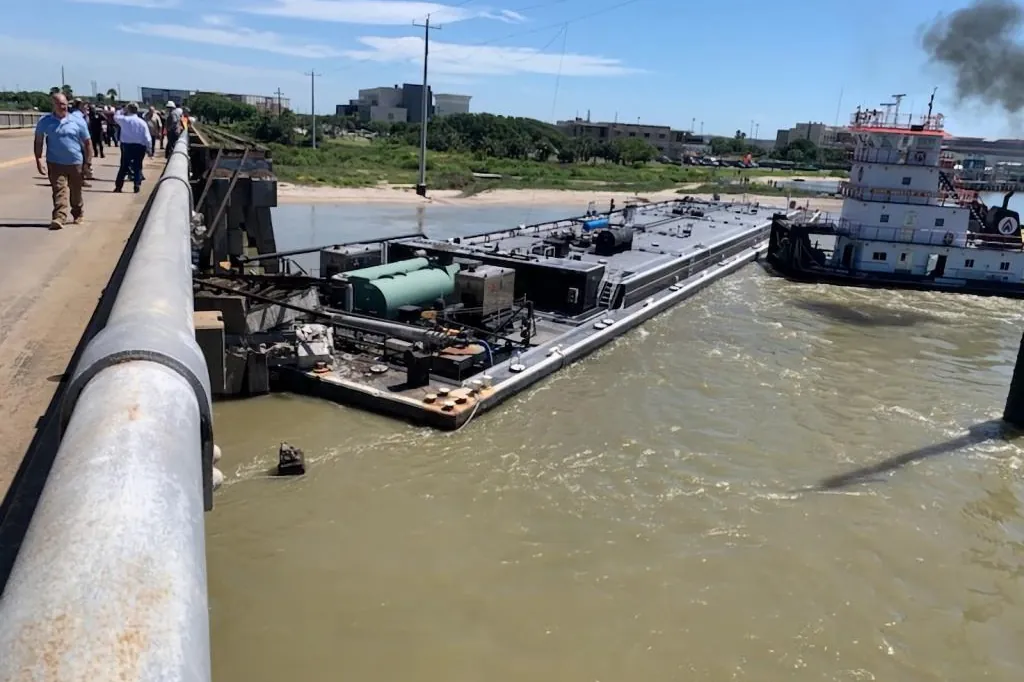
(110, 581)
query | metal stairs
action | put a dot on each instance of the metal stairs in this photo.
(604, 299)
(948, 185)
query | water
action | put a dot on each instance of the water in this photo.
(823, 186)
(644, 515)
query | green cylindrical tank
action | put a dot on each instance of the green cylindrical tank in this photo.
(400, 266)
(385, 295)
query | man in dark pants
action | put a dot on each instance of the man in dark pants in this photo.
(172, 123)
(95, 120)
(135, 143)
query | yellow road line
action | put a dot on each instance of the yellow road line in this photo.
(16, 162)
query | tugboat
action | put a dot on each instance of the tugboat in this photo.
(905, 222)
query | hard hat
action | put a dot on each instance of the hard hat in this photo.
(170, 104)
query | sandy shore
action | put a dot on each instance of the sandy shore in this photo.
(302, 194)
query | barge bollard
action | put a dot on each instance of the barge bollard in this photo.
(1013, 412)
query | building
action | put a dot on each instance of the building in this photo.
(158, 97)
(820, 134)
(400, 104)
(445, 105)
(672, 143)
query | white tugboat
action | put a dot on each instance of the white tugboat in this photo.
(904, 222)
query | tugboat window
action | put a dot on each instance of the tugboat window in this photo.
(884, 218)
(1004, 266)
(906, 180)
(939, 222)
(878, 255)
(969, 263)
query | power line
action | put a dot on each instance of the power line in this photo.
(598, 12)
(279, 93)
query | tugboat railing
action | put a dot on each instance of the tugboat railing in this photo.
(926, 236)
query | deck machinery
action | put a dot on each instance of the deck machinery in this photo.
(435, 329)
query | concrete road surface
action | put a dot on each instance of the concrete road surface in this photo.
(50, 282)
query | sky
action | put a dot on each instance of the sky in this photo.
(750, 65)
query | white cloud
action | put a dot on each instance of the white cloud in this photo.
(233, 36)
(451, 58)
(143, 4)
(216, 20)
(376, 12)
(36, 59)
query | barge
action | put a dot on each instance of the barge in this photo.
(435, 331)
(906, 221)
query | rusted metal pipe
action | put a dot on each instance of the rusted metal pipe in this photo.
(110, 581)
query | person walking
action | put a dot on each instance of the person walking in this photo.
(68, 150)
(156, 129)
(173, 126)
(95, 120)
(135, 144)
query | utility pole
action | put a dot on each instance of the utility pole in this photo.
(62, 81)
(421, 186)
(750, 135)
(279, 93)
(693, 125)
(757, 130)
(702, 128)
(312, 101)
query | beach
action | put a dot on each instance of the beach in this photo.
(288, 193)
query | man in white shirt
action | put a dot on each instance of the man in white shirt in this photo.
(135, 143)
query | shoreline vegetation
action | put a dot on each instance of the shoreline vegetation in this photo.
(485, 158)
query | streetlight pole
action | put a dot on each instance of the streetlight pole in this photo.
(421, 186)
(312, 101)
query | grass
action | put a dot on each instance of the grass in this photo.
(351, 163)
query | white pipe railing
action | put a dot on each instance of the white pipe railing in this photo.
(110, 581)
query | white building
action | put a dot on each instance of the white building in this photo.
(450, 104)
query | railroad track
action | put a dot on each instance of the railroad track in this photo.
(214, 136)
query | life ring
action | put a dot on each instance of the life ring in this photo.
(947, 239)
(920, 157)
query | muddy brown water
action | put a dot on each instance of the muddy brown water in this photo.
(770, 482)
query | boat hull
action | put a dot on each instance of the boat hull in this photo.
(791, 256)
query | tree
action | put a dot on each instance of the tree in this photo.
(112, 94)
(220, 109)
(633, 150)
(68, 92)
(54, 90)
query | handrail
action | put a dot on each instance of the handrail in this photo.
(110, 582)
(14, 120)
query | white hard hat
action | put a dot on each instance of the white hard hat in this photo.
(170, 104)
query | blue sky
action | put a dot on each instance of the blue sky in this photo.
(724, 62)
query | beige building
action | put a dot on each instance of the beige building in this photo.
(667, 141)
(820, 134)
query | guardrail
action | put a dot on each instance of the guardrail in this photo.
(110, 580)
(19, 119)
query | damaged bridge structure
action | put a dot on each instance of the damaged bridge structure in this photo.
(102, 543)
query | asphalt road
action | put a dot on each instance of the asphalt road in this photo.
(50, 282)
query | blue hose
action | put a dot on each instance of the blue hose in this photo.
(490, 354)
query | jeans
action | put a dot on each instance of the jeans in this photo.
(131, 160)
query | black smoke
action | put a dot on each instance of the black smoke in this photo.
(979, 45)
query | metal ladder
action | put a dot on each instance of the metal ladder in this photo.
(604, 299)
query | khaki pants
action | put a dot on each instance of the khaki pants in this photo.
(66, 184)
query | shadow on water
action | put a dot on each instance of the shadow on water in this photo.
(992, 429)
(864, 315)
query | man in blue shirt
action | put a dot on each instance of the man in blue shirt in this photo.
(67, 151)
(135, 143)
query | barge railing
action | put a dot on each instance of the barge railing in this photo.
(110, 580)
